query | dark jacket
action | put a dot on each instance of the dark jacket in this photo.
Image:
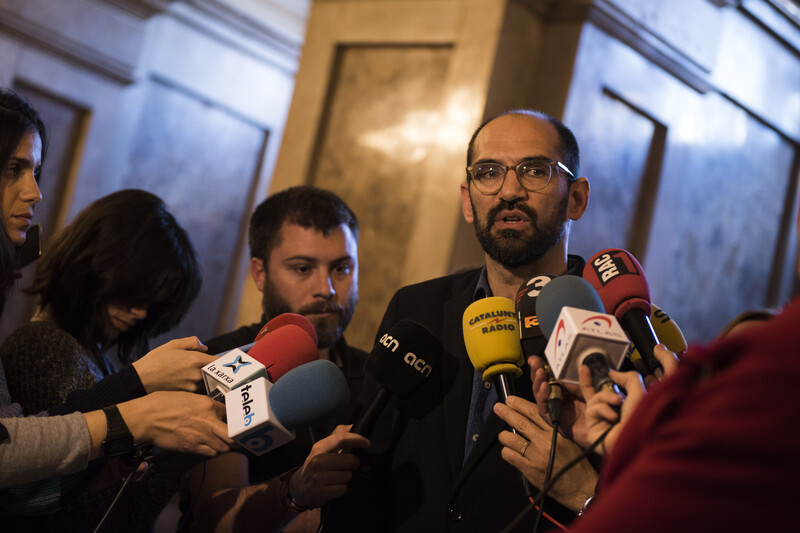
(412, 479)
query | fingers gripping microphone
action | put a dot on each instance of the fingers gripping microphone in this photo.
(401, 361)
(619, 280)
(571, 316)
(263, 416)
(492, 342)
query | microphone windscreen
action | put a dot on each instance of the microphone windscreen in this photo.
(288, 318)
(567, 290)
(308, 394)
(284, 349)
(619, 280)
(404, 357)
(491, 337)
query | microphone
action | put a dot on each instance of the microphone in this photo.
(271, 357)
(262, 416)
(668, 333)
(571, 317)
(401, 361)
(492, 341)
(530, 333)
(533, 340)
(288, 318)
(619, 280)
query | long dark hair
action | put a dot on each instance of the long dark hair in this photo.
(17, 118)
(124, 248)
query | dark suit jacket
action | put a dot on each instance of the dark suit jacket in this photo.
(415, 478)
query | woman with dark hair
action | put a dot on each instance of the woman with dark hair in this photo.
(23, 145)
(32, 448)
(123, 271)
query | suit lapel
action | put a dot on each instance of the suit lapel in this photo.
(455, 411)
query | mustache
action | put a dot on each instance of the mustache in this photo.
(321, 307)
(510, 206)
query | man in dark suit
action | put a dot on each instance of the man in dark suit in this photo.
(434, 462)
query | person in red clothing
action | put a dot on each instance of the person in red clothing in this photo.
(711, 448)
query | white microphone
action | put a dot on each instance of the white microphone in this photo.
(571, 316)
(263, 416)
(230, 371)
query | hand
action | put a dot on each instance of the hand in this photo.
(600, 414)
(573, 423)
(326, 472)
(531, 459)
(174, 366)
(178, 421)
(667, 359)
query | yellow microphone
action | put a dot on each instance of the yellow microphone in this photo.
(491, 336)
(668, 333)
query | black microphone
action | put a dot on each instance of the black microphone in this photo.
(400, 362)
(533, 340)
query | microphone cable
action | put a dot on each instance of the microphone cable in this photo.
(540, 497)
(143, 453)
(554, 412)
(114, 502)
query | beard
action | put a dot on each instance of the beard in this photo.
(330, 329)
(513, 248)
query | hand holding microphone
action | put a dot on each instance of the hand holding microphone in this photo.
(571, 317)
(327, 470)
(174, 366)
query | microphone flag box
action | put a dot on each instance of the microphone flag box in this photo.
(251, 422)
(231, 370)
(578, 333)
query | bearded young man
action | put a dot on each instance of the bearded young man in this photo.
(304, 259)
(434, 462)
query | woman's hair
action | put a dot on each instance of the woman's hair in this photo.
(17, 118)
(125, 249)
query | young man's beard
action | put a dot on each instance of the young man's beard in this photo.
(512, 248)
(329, 330)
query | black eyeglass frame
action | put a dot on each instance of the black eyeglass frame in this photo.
(506, 168)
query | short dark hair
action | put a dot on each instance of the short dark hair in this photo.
(126, 248)
(304, 205)
(17, 118)
(569, 145)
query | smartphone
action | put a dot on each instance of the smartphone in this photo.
(31, 249)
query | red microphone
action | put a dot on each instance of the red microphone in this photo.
(284, 319)
(285, 348)
(619, 280)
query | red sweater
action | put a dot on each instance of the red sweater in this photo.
(715, 446)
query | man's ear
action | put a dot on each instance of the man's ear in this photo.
(258, 272)
(578, 198)
(466, 204)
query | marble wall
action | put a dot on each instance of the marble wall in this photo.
(686, 113)
(187, 99)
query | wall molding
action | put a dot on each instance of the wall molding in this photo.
(67, 49)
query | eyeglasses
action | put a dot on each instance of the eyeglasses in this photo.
(533, 174)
